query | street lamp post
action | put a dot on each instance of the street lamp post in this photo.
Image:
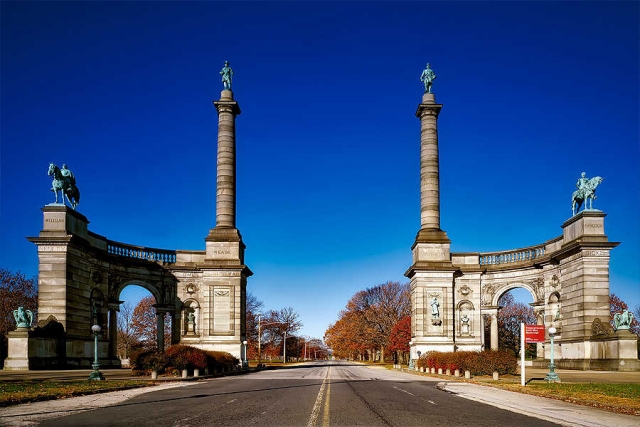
(245, 362)
(551, 375)
(96, 374)
(284, 349)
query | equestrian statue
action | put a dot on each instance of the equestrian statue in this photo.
(65, 183)
(586, 192)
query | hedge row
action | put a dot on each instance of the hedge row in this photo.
(478, 363)
(179, 357)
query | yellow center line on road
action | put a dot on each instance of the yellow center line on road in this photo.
(325, 416)
(316, 407)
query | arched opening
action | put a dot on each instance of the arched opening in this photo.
(515, 305)
(138, 319)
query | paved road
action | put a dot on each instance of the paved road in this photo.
(319, 394)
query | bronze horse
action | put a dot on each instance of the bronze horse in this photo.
(585, 194)
(65, 185)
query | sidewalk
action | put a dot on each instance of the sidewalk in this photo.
(563, 413)
(566, 414)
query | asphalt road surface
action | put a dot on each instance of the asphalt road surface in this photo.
(314, 394)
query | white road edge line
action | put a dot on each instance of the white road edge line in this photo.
(404, 391)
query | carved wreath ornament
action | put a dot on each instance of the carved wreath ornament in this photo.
(191, 288)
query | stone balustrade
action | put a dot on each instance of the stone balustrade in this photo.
(141, 252)
(515, 255)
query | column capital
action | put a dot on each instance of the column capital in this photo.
(428, 106)
(226, 103)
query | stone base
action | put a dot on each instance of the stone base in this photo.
(431, 235)
(224, 245)
(233, 348)
(445, 347)
(18, 351)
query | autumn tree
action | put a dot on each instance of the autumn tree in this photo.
(144, 324)
(128, 339)
(346, 337)
(15, 291)
(381, 307)
(364, 327)
(253, 308)
(399, 339)
(616, 305)
(276, 324)
(315, 349)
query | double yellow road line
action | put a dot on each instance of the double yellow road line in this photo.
(326, 384)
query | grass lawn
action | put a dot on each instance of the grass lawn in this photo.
(14, 392)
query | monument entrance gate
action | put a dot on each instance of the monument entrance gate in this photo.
(81, 275)
(568, 277)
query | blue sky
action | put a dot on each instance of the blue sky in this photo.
(327, 143)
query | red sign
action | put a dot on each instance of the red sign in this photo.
(533, 333)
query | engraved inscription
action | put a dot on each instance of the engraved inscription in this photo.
(54, 220)
(593, 225)
(222, 314)
(596, 253)
(433, 253)
(222, 252)
(60, 248)
(223, 273)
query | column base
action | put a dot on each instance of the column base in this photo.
(225, 244)
(431, 235)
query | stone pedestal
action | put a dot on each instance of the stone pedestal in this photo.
(584, 280)
(18, 357)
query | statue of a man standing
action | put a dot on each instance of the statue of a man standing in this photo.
(427, 77)
(227, 75)
(435, 310)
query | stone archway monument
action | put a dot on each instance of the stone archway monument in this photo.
(568, 276)
(81, 275)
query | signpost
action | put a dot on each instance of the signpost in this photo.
(528, 334)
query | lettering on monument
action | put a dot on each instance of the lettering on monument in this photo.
(593, 225)
(56, 248)
(54, 220)
(222, 274)
(433, 253)
(222, 299)
(595, 253)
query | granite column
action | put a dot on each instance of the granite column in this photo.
(227, 109)
(428, 112)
